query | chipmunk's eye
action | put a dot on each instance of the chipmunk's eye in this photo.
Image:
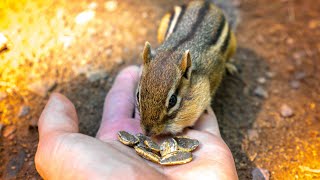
(172, 101)
(138, 96)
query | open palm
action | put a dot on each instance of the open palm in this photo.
(64, 153)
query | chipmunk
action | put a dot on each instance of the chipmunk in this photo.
(179, 80)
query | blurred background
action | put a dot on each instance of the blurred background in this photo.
(268, 113)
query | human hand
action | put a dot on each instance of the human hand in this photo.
(64, 153)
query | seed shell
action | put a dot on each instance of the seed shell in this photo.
(141, 138)
(186, 143)
(168, 146)
(143, 152)
(152, 145)
(127, 138)
(177, 157)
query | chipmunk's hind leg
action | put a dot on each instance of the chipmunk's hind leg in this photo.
(230, 67)
(164, 27)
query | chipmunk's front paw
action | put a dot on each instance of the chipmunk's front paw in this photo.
(231, 68)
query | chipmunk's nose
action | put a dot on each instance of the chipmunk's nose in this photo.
(148, 131)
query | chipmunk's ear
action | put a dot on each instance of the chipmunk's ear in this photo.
(146, 54)
(186, 65)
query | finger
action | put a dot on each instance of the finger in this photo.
(59, 115)
(109, 131)
(208, 122)
(120, 100)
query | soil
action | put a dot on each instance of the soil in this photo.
(268, 113)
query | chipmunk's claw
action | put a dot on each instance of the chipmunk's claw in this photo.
(231, 68)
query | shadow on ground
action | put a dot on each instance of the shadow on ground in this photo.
(237, 107)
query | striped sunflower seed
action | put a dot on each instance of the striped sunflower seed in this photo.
(127, 138)
(168, 146)
(143, 152)
(176, 157)
(186, 143)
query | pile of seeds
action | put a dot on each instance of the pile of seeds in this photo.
(172, 151)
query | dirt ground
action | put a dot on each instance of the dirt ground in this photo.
(268, 113)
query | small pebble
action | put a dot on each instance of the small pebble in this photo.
(108, 52)
(1, 126)
(260, 174)
(270, 74)
(286, 111)
(95, 75)
(33, 123)
(24, 110)
(300, 75)
(9, 130)
(119, 61)
(295, 84)
(261, 80)
(253, 134)
(3, 42)
(93, 5)
(260, 92)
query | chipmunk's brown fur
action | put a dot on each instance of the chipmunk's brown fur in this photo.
(177, 83)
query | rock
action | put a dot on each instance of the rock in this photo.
(295, 84)
(253, 134)
(3, 42)
(270, 74)
(260, 174)
(111, 5)
(286, 111)
(260, 92)
(9, 130)
(14, 166)
(261, 80)
(84, 17)
(95, 75)
(3, 95)
(42, 87)
(24, 110)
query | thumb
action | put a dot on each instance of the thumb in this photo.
(57, 119)
(59, 115)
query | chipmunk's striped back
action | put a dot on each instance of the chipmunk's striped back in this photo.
(200, 26)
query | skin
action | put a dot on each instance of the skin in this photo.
(64, 153)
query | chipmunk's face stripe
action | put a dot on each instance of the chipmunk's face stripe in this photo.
(200, 17)
(216, 34)
(226, 41)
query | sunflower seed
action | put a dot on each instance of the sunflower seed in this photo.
(177, 157)
(186, 143)
(168, 146)
(141, 138)
(127, 138)
(152, 145)
(143, 152)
